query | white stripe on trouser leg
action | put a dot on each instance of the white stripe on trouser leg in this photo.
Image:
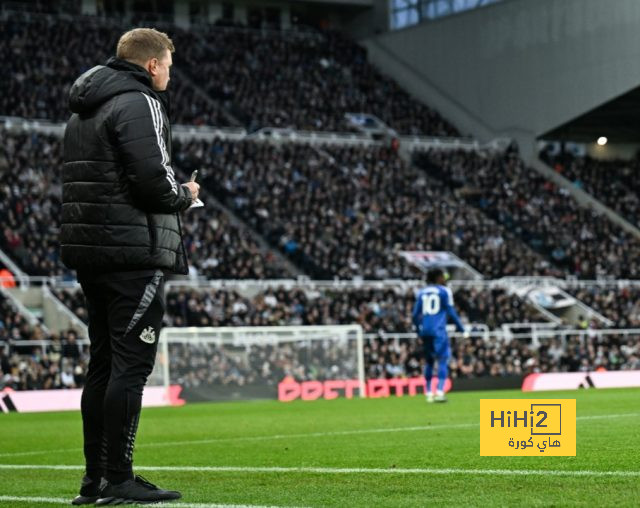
(104, 456)
(131, 437)
(149, 294)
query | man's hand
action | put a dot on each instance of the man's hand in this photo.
(194, 188)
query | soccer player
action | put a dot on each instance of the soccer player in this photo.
(434, 304)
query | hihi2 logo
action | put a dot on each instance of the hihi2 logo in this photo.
(539, 427)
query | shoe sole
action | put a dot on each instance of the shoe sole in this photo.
(80, 500)
(441, 401)
(112, 501)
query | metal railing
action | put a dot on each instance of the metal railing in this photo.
(306, 283)
(273, 135)
(534, 338)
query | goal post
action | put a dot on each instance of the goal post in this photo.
(243, 362)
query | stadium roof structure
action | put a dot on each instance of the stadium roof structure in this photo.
(617, 119)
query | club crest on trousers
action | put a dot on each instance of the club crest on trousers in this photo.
(148, 335)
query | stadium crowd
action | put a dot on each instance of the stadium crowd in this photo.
(380, 312)
(347, 211)
(614, 182)
(621, 305)
(351, 222)
(385, 311)
(218, 249)
(391, 358)
(305, 80)
(194, 365)
(36, 77)
(376, 310)
(56, 361)
(30, 201)
(576, 239)
(355, 237)
(30, 208)
(337, 212)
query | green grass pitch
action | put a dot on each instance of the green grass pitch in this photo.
(327, 450)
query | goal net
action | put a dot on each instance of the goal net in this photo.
(284, 362)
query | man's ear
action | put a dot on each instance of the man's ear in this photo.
(152, 66)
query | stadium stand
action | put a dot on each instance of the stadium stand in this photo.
(33, 359)
(385, 310)
(389, 358)
(383, 314)
(382, 310)
(30, 208)
(337, 211)
(30, 201)
(305, 80)
(376, 310)
(621, 304)
(40, 77)
(332, 233)
(614, 182)
(347, 211)
(217, 249)
(575, 239)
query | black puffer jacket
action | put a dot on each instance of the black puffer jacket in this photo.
(120, 195)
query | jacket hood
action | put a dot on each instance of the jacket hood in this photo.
(103, 82)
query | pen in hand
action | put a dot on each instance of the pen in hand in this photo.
(194, 175)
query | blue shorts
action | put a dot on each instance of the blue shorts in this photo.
(436, 347)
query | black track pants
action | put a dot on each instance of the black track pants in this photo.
(125, 317)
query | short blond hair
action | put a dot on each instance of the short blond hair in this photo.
(141, 44)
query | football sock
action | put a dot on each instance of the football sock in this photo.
(442, 374)
(428, 374)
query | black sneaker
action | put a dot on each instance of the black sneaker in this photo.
(138, 491)
(89, 491)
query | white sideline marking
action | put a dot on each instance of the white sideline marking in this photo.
(601, 417)
(340, 470)
(62, 500)
(303, 435)
(38, 452)
(260, 438)
(313, 434)
(350, 432)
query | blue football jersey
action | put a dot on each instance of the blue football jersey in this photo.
(434, 304)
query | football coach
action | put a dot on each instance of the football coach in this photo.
(121, 232)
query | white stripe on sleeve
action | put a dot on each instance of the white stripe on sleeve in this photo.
(156, 117)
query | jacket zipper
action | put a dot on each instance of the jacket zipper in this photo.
(153, 235)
